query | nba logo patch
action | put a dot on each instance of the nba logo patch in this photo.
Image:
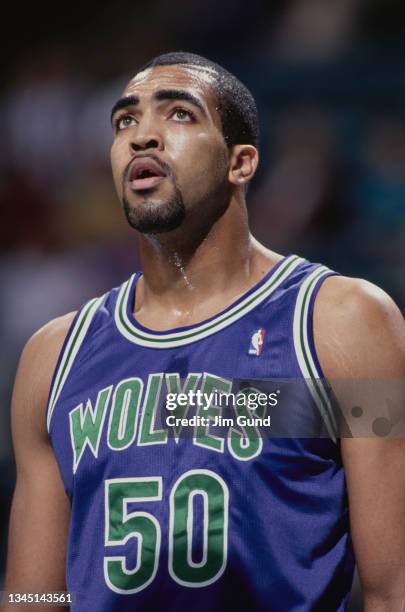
(256, 342)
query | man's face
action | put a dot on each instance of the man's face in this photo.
(169, 157)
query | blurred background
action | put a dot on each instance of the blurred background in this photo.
(329, 80)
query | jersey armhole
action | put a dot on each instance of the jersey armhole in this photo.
(310, 320)
(70, 347)
(305, 348)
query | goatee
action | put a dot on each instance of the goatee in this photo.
(151, 217)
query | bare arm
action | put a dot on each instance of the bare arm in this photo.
(359, 333)
(40, 509)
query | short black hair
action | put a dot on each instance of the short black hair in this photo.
(236, 105)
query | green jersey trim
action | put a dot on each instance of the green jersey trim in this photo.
(202, 330)
(76, 337)
(304, 355)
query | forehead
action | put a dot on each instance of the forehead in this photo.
(195, 79)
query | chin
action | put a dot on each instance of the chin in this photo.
(155, 216)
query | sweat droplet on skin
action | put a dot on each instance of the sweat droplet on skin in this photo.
(179, 264)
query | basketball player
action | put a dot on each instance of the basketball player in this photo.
(124, 515)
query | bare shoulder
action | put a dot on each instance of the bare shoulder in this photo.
(48, 338)
(34, 374)
(42, 349)
(358, 330)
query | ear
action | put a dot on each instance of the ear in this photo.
(243, 164)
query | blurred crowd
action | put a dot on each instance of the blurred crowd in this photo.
(329, 80)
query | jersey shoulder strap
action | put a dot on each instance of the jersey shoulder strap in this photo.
(304, 345)
(71, 345)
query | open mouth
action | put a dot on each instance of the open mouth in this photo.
(145, 173)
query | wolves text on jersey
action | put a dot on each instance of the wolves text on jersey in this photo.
(137, 415)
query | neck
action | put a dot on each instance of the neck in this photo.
(184, 268)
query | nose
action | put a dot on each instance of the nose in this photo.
(146, 136)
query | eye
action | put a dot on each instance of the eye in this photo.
(182, 115)
(124, 122)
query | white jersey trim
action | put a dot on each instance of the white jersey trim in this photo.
(304, 354)
(185, 336)
(77, 334)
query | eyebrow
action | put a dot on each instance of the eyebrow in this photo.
(162, 94)
(123, 103)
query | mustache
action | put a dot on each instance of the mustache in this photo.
(163, 165)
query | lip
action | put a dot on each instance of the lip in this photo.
(145, 164)
(146, 183)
